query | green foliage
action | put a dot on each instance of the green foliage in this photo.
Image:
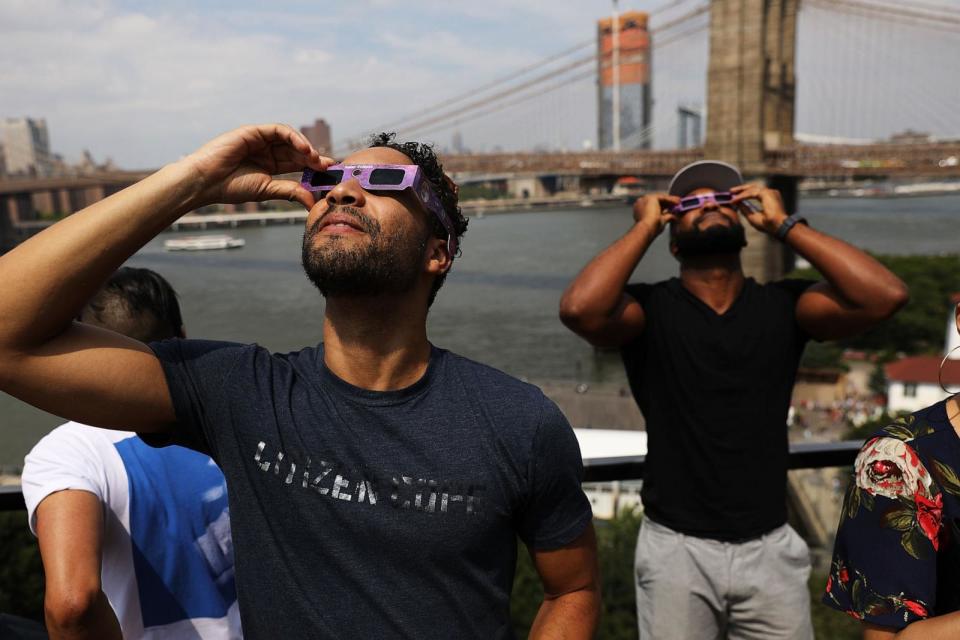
(823, 355)
(21, 572)
(878, 379)
(919, 326)
(616, 543)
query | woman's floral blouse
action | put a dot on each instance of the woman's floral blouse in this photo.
(896, 559)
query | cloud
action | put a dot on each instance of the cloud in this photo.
(146, 89)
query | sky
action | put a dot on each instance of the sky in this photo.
(145, 83)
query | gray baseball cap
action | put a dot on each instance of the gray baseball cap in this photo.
(705, 174)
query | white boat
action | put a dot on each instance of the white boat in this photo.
(203, 243)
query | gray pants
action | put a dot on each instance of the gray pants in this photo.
(690, 588)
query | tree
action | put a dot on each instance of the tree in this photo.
(21, 572)
(919, 327)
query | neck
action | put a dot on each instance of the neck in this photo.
(715, 279)
(378, 342)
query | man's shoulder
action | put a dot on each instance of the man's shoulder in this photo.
(644, 289)
(488, 380)
(491, 376)
(221, 358)
(790, 287)
(190, 348)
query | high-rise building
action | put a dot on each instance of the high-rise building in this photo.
(636, 100)
(457, 143)
(26, 146)
(319, 136)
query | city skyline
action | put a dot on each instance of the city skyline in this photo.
(145, 88)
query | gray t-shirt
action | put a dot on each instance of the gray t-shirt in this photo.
(364, 514)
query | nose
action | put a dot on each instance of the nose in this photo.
(348, 192)
(710, 205)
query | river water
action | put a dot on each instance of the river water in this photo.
(499, 304)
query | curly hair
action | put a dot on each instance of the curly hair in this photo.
(423, 156)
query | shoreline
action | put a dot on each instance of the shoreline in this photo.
(481, 207)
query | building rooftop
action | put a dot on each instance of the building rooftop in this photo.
(923, 369)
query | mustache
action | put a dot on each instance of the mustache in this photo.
(368, 224)
(699, 222)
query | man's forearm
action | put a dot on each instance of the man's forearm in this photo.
(97, 621)
(858, 277)
(48, 278)
(571, 616)
(598, 287)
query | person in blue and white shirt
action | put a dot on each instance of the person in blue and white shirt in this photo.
(135, 540)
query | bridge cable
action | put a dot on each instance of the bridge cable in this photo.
(405, 124)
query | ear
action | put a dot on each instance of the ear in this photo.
(957, 316)
(438, 256)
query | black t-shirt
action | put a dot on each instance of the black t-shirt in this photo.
(364, 514)
(715, 391)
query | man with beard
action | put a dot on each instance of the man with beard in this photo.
(377, 484)
(711, 358)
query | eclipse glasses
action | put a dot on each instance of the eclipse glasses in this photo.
(695, 202)
(384, 177)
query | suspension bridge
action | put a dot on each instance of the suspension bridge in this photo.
(787, 89)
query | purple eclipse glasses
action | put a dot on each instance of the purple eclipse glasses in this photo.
(695, 202)
(385, 177)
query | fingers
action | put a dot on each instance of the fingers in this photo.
(282, 158)
(285, 135)
(288, 190)
(746, 192)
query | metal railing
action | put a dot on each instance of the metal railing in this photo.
(803, 455)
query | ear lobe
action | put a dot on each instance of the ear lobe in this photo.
(440, 255)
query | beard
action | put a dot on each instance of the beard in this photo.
(387, 263)
(718, 239)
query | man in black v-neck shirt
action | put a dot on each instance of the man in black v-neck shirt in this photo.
(711, 358)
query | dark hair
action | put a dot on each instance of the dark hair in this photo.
(138, 303)
(424, 157)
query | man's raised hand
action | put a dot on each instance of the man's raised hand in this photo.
(769, 216)
(653, 210)
(238, 166)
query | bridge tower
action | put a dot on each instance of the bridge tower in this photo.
(750, 104)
